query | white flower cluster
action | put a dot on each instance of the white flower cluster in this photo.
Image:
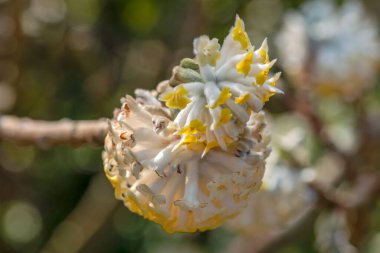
(232, 81)
(334, 49)
(189, 155)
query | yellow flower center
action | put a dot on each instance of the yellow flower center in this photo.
(242, 99)
(223, 97)
(262, 77)
(177, 98)
(266, 97)
(238, 34)
(225, 116)
(244, 66)
(210, 145)
(195, 126)
(264, 55)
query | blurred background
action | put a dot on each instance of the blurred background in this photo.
(76, 59)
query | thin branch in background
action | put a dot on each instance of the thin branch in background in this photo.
(45, 134)
(85, 220)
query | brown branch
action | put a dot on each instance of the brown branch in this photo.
(46, 134)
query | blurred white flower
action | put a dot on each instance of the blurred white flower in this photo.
(283, 198)
(48, 11)
(334, 49)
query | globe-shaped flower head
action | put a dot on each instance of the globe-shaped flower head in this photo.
(189, 155)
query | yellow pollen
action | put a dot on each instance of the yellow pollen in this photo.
(193, 142)
(273, 84)
(244, 66)
(238, 34)
(225, 116)
(242, 99)
(210, 145)
(190, 139)
(266, 97)
(177, 99)
(262, 77)
(223, 97)
(195, 126)
(264, 55)
(196, 146)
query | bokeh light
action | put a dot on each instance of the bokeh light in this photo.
(21, 223)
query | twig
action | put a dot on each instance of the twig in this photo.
(46, 134)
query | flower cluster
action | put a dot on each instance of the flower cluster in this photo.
(334, 50)
(227, 83)
(189, 154)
